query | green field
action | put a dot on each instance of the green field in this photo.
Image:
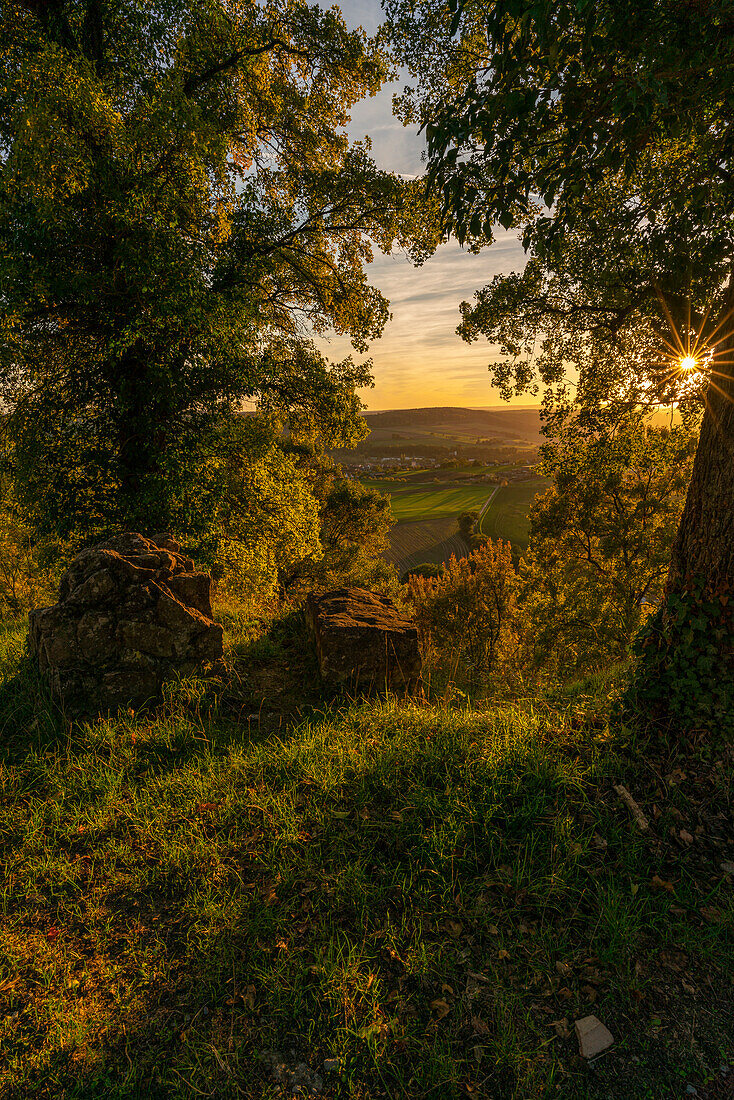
(426, 505)
(435, 502)
(508, 515)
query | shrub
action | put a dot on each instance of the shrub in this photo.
(425, 569)
(465, 615)
(28, 568)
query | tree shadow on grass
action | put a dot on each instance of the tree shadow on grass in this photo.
(277, 905)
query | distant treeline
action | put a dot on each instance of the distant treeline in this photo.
(484, 452)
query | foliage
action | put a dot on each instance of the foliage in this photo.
(600, 541)
(616, 115)
(28, 569)
(685, 646)
(29, 566)
(464, 615)
(425, 569)
(354, 522)
(424, 895)
(468, 523)
(263, 518)
(179, 209)
(582, 105)
(523, 99)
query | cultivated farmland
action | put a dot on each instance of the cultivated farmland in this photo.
(507, 517)
(427, 513)
(427, 504)
(436, 501)
(429, 540)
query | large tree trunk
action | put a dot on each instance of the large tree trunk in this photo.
(704, 546)
(142, 419)
(685, 677)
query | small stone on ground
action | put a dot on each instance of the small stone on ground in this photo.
(593, 1037)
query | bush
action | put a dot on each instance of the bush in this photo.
(29, 569)
(465, 615)
(426, 569)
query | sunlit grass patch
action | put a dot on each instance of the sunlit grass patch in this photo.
(420, 893)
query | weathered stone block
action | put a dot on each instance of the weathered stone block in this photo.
(132, 612)
(363, 641)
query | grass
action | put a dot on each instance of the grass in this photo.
(418, 502)
(426, 898)
(508, 515)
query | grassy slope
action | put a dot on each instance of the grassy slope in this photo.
(430, 896)
(445, 425)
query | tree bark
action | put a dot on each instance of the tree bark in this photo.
(703, 552)
(142, 420)
(684, 680)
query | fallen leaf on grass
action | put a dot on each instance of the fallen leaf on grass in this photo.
(561, 1028)
(479, 1026)
(662, 884)
(369, 1030)
(502, 954)
(440, 1007)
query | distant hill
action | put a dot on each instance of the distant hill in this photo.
(461, 424)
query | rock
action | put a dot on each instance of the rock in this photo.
(132, 613)
(593, 1037)
(363, 641)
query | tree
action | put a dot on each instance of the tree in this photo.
(604, 131)
(468, 524)
(179, 210)
(355, 523)
(601, 538)
(463, 615)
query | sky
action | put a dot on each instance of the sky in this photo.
(420, 361)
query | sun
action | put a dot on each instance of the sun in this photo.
(688, 363)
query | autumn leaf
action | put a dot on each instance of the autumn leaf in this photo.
(440, 1007)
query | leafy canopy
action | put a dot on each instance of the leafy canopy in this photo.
(180, 209)
(603, 132)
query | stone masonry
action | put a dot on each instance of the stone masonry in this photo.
(132, 612)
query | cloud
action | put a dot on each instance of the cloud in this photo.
(420, 360)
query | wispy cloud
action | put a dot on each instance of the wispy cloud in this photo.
(420, 360)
